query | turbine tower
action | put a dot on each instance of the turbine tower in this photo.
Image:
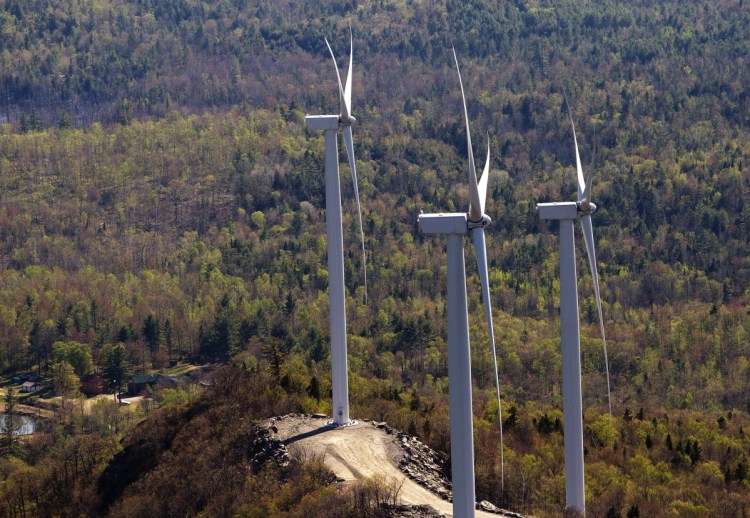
(566, 213)
(330, 125)
(456, 226)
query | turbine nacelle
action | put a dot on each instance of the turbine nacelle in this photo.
(450, 223)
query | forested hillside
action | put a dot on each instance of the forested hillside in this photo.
(158, 188)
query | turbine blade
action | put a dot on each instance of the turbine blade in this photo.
(484, 178)
(585, 199)
(343, 108)
(588, 235)
(480, 250)
(579, 169)
(475, 205)
(348, 85)
(350, 154)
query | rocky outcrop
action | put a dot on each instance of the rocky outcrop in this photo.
(265, 448)
(425, 466)
(429, 469)
(410, 511)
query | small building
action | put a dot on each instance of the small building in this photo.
(92, 384)
(30, 386)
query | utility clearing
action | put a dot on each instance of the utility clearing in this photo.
(359, 452)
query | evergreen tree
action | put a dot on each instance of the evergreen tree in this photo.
(613, 513)
(741, 471)
(152, 333)
(512, 418)
(10, 425)
(64, 121)
(313, 389)
(117, 367)
(222, 340)
(275, 356)
(168, 337)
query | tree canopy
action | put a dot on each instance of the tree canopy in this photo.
(163, 200)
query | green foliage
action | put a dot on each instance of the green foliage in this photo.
(603, 431)
(160, 190)
(65, 380)
(177, 396)
(75, 354)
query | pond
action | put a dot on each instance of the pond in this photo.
(24, 424)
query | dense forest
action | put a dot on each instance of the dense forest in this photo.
(159, 189)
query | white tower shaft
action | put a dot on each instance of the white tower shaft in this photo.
(335, 246)
(567, 213)
(459, 361)
(336, 294)
(571, 372)
(459, 382)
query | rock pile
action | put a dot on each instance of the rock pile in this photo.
(425, 466)
(263, 447)
(429, 469)
(410, 511)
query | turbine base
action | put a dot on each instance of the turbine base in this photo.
(334, 424)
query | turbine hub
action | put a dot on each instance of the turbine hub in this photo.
(486, 220)
(590, 210)
(347, 122)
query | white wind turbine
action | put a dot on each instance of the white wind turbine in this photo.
(567, 213)
(330, 125)
(456, 226)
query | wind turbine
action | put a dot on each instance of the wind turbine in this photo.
(456, 226)
(566, 213)
(330, 125)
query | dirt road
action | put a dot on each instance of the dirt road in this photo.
(358, 452)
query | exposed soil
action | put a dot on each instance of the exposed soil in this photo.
(367, 449)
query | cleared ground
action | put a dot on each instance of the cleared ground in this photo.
(358, 452)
